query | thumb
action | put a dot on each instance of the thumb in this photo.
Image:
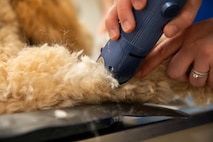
(184, 19)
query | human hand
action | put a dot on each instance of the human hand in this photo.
(191, 48)
(121, 12)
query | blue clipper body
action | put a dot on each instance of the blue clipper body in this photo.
(124, 56)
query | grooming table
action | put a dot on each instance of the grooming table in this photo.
(105, 122)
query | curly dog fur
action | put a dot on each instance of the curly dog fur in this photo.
(42, 65)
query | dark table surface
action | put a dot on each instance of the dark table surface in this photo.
(105, 120)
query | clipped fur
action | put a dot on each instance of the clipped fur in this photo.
(55, 73)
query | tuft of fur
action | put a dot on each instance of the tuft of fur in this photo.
(52, 75)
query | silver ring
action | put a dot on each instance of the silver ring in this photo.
(197, 74)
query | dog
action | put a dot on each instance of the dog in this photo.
(45, 64)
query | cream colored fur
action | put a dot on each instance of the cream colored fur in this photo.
(49, 76)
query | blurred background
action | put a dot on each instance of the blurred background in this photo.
(90, 13)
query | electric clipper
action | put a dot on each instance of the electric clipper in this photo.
(124, 56)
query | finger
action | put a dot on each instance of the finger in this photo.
(210, 78)
(200, 65)
(125, 15)
(162, 51)
(184, 19)
(139, 4)
(199, 68)
(180, 64)
(111, 23)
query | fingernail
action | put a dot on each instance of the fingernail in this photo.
(137, 4)
(173, 30)
(112, 34)
(126, 26)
